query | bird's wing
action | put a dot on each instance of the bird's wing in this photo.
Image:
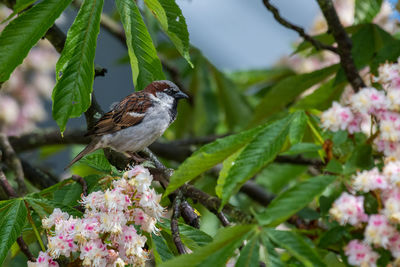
(129, 112)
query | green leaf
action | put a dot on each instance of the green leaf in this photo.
(72, 93)
(173, 23)
(68, 195)
(287, 90)
(160, 249)
(323, 97)
(366, 10)
(193, 238)
(216, 253)
(302, 148)
(293, 200)
(360, 158)
(51, 189)
(297, 246)
(332, 237)
(273, 258)
(98, 161)
(145, 65)
(258, 153)
(249, 255)
(25, 31)
(19, 6)
(375, 37)
(389, 52)
(44, 206)
(208, 156)
(13, 218)
(277, 176)
(237, 111)
(298, 127)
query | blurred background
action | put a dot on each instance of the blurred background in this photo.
(232, 34)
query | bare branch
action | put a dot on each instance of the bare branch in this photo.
(174, 224)
(317, 44)
(256, 193)
(344, 44)
(25, 249)
(213, 204)
(41, 178)
(6, 186)
(225, 222)
(82, 182)
(13, 162)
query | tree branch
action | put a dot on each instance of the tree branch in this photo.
(317, 44)
(6, 186)
(344, 44)
(13, 162)
(174, 223)
(25, 249)
(82, 182)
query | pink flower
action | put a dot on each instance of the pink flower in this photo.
(369, 100)
(150, 203)
(94, 201)
(387, 73)
(392, 171)
(394, 245)
(360, 254)
(61, 245)
(389, 126)
(391, 199)
(94, 253)
(337, 117)
(349, 209)
(379, 231)
(370, 180)
(55, 218)
(43, 260)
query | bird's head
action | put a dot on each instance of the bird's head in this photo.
(165, 89)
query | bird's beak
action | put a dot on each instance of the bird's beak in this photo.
(180, 95)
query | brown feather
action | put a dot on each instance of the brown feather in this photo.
(92, 146)
(120, 117)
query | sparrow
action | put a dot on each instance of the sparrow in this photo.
(137, 121)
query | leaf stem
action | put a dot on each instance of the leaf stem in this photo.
(35, 230)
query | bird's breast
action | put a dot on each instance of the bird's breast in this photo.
(136, 138)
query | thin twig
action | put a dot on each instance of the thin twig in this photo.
(317, 44)
(225, 222)
(344, 44)
(174, 224)
(188, 213)
(256, 193)
(82, 182)
(213, 204)
(6, 186)
(13, 162)
(25, 249)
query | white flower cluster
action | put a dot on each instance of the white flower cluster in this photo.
(109, 233)
(377, 114)
(372, 111)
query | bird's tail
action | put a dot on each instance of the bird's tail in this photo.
(92, 146)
